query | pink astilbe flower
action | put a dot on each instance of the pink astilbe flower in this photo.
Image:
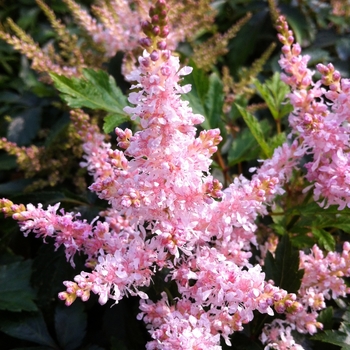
(324, 273)
(117, 25)
(322, 128)
(117, 31)
(277, 336)
(185, 326)
(167, 211)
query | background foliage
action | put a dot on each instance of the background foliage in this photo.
(32, 113)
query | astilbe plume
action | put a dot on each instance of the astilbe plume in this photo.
(321, 127)
(168, 213)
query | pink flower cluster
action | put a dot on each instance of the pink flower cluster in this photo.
(320, 119)
(166, 212)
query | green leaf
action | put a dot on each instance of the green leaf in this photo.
(245, 147)
(274, 92)
(199, 82)
(255, 128)
(14, 187)
(16, 293)
(334, 337)
(326, 318)
(95, 90)
(29, 327)
(325, 239)
(111, 121)
(206, 98)
(70, 325)
(213, 104)
(242, 46)
(200, 85)
(50, 268)
(284, 268)
(277, 140)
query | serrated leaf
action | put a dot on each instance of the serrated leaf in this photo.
(255, 128)
(111, 121)
(335, 338)
(274, 92)
(70, 325)
(284, 267)
(325, 239)
(326, 318)
(277, 140)
(199, 87)
(312, 209)
(16, 293)
(29, 327)
(245, 147)
(213, 104)
(95, 90)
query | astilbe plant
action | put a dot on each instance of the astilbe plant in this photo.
(115, 28)
(168, 214)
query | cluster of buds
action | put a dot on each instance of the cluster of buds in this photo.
(156, 31)
(330, 77)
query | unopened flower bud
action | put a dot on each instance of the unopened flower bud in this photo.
(152, 11)
(330, 66)
(161, 5)
(322, 68)
(155, 19)
(146, 27)
(145, 42)
(145, 62)
(156, 30)
(154, 55)
(164, 32)
(336, 76)
(162, 14)
(161, 45)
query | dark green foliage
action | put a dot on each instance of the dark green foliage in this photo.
(283, 269)
(206, 98)
(16, 294)
(97, 90)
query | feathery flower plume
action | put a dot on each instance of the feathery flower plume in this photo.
(167, 211)
(322, 128)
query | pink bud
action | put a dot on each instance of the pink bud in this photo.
(156, 30)
(155, 19)
(154, 55)
(145, 42)
(336, 76)
(164, 32)
(145, 62)
(161, 45)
